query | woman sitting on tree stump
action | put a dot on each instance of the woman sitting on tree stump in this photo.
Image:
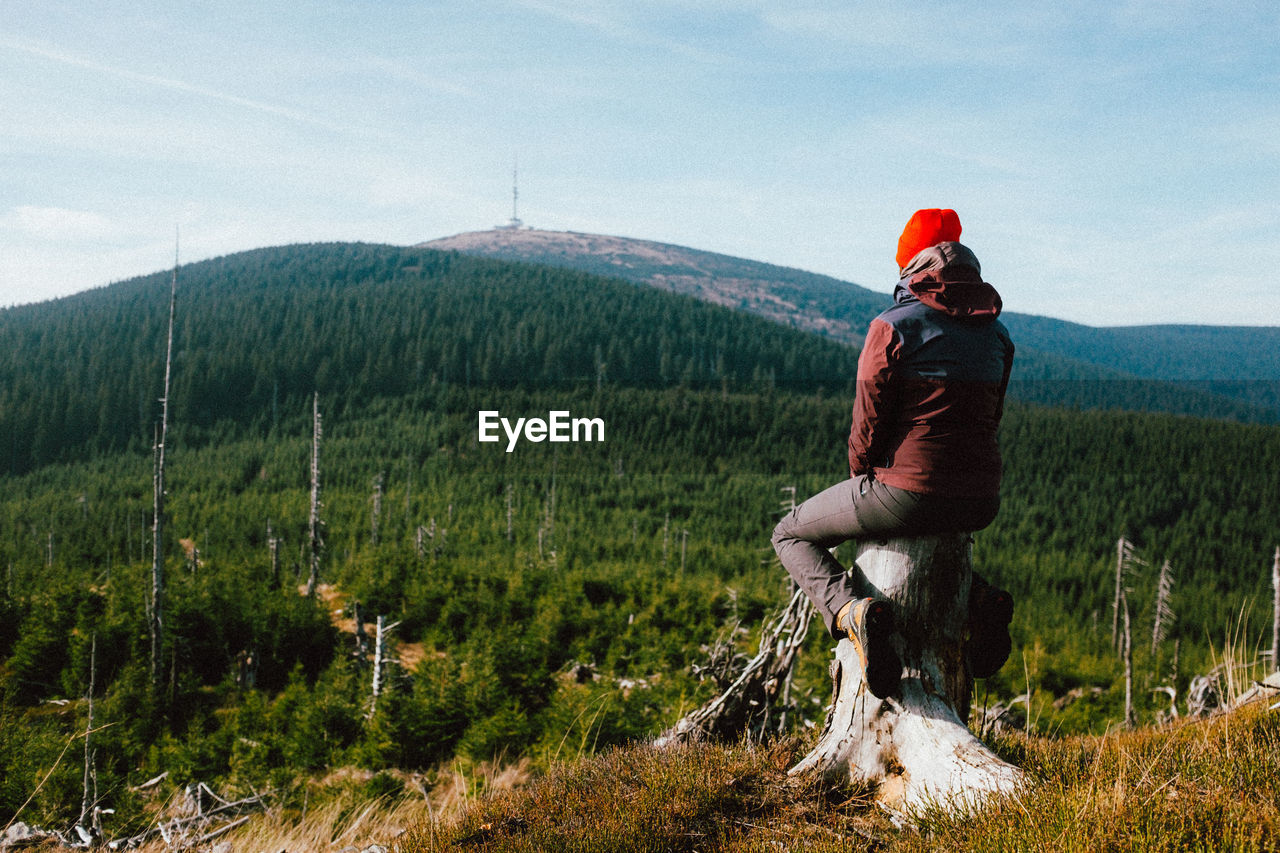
(923, 457)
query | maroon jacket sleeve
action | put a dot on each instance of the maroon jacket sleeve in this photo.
(871, 402)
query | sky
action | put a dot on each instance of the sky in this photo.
(1112, 164)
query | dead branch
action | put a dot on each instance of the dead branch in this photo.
(747, 703)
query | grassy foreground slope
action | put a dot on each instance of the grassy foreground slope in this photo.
(1208, 785)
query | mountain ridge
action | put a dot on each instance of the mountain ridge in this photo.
(756, 286)
(260, 329)
(842, 310)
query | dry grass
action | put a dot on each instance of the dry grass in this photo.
(338, 813)
(1208, 785)
(682, 799)
(1237, 664)
(334, 826)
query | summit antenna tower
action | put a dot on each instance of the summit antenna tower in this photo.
(515, 224)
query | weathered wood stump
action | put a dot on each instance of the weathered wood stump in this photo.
(914, 745)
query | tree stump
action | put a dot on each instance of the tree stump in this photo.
(915, 745)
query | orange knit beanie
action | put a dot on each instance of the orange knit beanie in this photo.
(927, 228)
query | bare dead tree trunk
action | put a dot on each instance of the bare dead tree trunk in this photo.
(376, 516)
(1121, 547)
(273, 547)
(87, 802)
(1126, 560)
(379, 648)
(381, 640)
(1275, 617)
(157, 528)
(915, 745)
(1127, 643)
(315, 525)
(1164, 612)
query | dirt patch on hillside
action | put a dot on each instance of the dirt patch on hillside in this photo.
(337, 604)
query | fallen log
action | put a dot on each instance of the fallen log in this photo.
(914, 746)
(747, 704)
(199, 824)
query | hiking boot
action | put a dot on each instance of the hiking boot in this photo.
(990, 612)
(868, 624)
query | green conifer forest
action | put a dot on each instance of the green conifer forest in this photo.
(547, 601)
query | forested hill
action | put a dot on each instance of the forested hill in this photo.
(259, 331)
(1242, 363)
(1182, 352)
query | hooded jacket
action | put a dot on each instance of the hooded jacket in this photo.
(931, 381)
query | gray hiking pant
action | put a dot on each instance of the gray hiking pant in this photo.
(862, 508)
